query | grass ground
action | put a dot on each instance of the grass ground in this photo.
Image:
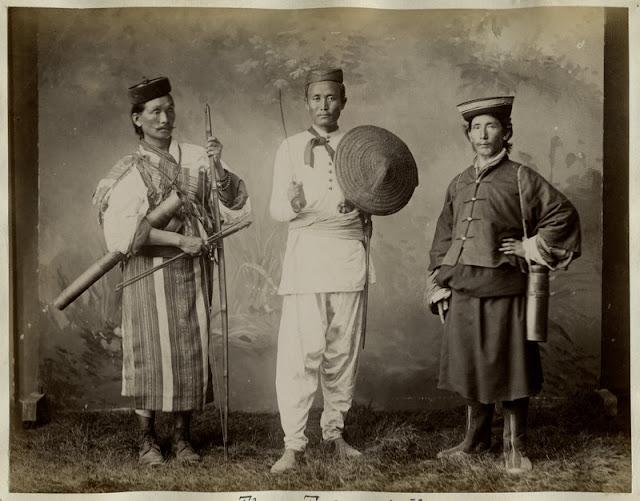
(573, 446)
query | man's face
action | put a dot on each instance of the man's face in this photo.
(487, 136)
(157, 119)
(324, 104)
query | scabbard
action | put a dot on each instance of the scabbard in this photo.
(368, 231)
(87, 279)
(157, 218)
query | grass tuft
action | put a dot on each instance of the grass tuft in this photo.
(573, 446)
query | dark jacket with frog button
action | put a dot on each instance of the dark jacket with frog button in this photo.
(480, 212)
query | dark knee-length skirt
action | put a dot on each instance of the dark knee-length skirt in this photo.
(485, 355)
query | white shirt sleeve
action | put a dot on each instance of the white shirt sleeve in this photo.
(128, 205)
(230, 215)
(532, 253)
(280, 206)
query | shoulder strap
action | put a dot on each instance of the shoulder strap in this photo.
(522, 213)
(458, 180)
(522, 217)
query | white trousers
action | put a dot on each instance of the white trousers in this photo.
(319, 336)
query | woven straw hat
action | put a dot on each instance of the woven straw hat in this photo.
(375, 170)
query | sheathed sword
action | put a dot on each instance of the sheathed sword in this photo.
(222, 282)
(157, 218)
(377, 174)
(367, 225)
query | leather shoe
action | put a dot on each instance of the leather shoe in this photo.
(149, 453)
(184, 452)
(462, 450)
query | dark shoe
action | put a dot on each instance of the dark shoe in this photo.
(478, 432)
(463, 449)
(343, 450)
(149, 453)
(514, 437)
(184, 452)
(287, 462)
(181, 441)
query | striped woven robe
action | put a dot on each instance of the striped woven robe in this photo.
(166, 344)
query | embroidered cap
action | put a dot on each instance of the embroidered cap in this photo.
(324, 75)
(376, 170)
(495, 106)
(149, 89)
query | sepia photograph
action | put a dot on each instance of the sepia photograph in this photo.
(280, 252)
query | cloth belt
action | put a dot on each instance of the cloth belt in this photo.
(344, 226)
(317, 140)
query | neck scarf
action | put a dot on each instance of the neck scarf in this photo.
(316, 140)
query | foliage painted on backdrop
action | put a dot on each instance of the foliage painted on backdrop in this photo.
(485, 67)
(277, 64)
(472, 46)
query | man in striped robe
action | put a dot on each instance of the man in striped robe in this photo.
(165, 317)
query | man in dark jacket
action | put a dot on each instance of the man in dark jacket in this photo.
(498, 215)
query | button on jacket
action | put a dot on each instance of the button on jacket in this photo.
(482, 210)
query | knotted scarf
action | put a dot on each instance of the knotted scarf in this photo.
(316, 140)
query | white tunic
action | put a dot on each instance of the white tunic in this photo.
(315, 261)
(128, 202)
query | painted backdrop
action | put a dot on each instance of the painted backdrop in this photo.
(404, 71)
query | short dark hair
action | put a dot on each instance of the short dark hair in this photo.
(137, 108)
(505, 122)
(343, 91)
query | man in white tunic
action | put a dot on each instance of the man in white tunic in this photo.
(323, 276)
(165, 321)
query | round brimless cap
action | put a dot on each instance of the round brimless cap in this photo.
(149, 89)
(324, 75)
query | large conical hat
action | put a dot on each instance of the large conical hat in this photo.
(376, 170)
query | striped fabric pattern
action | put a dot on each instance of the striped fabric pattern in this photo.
(164, 316)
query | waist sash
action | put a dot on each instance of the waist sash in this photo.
(344, 226)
